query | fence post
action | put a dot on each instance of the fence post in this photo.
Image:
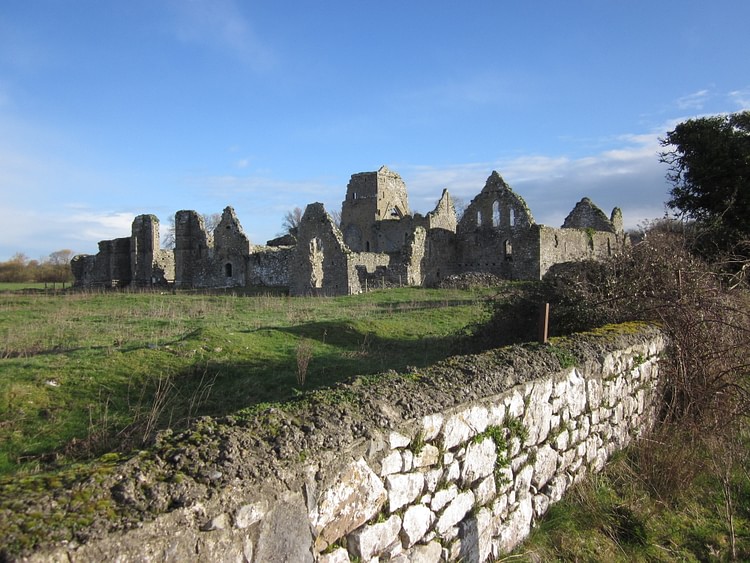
(544, 323)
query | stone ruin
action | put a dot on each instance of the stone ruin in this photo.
(379, 243)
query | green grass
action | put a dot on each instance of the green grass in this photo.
(18, 286)
(615, 516)
(86, 373)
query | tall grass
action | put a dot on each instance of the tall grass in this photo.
(82, 373)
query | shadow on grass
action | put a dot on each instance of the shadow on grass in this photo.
(131, 413)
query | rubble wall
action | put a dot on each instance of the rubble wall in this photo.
(451, 463)
(269, 266)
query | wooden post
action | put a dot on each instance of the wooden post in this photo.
(544, 323)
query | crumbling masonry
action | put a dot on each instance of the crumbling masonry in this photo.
(379, 243)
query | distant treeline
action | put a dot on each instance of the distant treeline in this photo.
(54, 268)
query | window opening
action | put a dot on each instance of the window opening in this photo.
(228, 270)
(496, 214)
(508, 250)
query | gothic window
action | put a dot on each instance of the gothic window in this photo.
(508, 250)
(496, 214)
(512, 217)
(228, 270)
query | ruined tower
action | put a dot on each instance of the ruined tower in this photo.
(371, 198)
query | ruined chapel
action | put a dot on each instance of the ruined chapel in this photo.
(379, 243)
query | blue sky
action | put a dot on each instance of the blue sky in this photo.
(111, 109)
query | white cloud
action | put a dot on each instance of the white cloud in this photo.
(741, 98)
(694, 101)
(628, 176)
(36, 233)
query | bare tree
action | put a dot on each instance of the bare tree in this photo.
(292, 220)
(210, 220)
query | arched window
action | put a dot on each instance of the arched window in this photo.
(228, 270)
(479, 218)
(508, 250)
(496, 214)
(512, 217)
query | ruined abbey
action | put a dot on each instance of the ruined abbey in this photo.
(379, 243)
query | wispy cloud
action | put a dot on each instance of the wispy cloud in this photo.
(627, 175)
(694, 101)
(221, 24)
(741, 98)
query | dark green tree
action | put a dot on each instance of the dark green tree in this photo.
(709, 169)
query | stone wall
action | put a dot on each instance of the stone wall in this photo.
(269, 266)
(321, 264)
(454, 462)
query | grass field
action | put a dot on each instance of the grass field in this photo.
(17, 286)
(85, 373)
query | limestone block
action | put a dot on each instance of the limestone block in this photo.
(538, 416)
(485, 490)
(584, 428)
(593, 394)
(450, 534)
(500, 507)
(518, 461)
(356, 496)
(418, 519)
(248, 514)
(432, 478)
(431, 425)
(392, 463)
(576, 392)
(561, 441)
(541, 504)
(599, 461)
(479, 461)
(369, 541)
(429, 455)
(516, 527)
(397, 440)
(285, 533)
(544, 466)
(496, 415)
(403, 489)
(429, 553)
(476, 536)
(618, 414)
(407, 460)
(514, 446)
(608, 365)
(523, 480)
(442, 497)
(514, 404)
(454, 512)
(453, 472)
(463, 425)
(568, 457)
(394, 552)
(556, 487)
(504, 478)
(339, 555)
(219, 522)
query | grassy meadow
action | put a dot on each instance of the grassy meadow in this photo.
(86, 373)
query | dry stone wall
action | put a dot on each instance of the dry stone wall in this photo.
(452, 463)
